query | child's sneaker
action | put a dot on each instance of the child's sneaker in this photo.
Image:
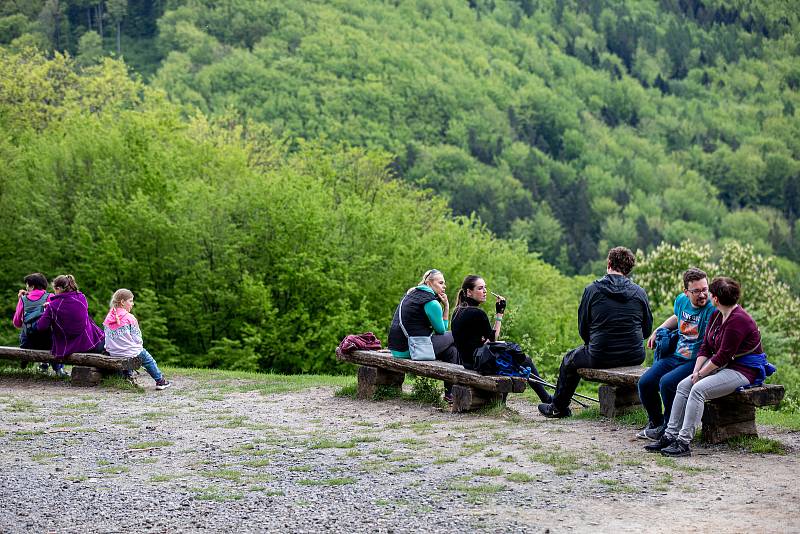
(61, 373)
(162, 383)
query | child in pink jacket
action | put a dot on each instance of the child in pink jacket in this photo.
(123, 337)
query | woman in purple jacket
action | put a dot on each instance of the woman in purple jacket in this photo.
(729, 358)
(67, 314)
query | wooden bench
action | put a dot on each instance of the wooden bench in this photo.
(724, 418)
(470, 389)
(88, 369)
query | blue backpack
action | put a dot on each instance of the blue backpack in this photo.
(501, 358)
(32, 310)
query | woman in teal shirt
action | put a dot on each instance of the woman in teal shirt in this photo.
(426, 312)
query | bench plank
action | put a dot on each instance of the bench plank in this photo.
(448, 372)
(102, 361)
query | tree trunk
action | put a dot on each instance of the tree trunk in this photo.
(100, 18)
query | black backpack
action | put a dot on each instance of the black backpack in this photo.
(501, 358)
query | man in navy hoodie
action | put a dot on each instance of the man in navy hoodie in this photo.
(613, 319)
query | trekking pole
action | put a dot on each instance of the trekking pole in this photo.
(532, 380)
(548, 384)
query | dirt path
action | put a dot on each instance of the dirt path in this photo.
(223, 455)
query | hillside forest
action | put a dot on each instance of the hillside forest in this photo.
(269, 176)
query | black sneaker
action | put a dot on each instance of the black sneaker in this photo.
(551, 412)
(678, 448)
(162, 384)
(663, 442)
(651, 432)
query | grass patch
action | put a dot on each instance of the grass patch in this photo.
(387, 392)
(82, 407)
(366, 439)
(475, 493)
(616, 486)
(150, 444)
(256, 463)
(488, 472)
(564, 463)
(349, 391)
(445, 460)
(265, 491)
(118, 382)
(341, 481)
(216, 495)
(521, 477)
(426, 390)
(114, 470)
(787, 420)
(20, 405)
(264, 383)
(223, 474)
(42, 457)
(77, 478)
(332, 444)
(300, 468)
(665, 461)
(757, 445)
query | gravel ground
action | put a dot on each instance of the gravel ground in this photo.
(219, 455)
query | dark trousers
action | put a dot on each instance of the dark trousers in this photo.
(662, 377)
(445, 349)
(575, 359)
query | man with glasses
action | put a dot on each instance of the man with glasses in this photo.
(692, 308)
(613, 319)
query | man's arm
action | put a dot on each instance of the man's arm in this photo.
(669, 324)
(647, 319)
(584, 316)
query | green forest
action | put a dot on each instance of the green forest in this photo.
(269, 176)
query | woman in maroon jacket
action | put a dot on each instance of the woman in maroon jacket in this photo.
(731, 333)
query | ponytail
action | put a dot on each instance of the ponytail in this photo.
(65, 282)
(461, 298)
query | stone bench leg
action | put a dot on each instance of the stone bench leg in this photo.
(725, 419)
(371, 377)
(85, 376)
(617, 400)
(467, 398)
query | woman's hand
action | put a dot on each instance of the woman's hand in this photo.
(500, 305)
(22, 293)
(445, 304)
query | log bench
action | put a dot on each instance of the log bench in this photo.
(88, 368)
(724, 418)
(471, 390)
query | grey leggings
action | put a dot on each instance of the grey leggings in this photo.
(687, 408)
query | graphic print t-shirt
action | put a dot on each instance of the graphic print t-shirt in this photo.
(690, 321)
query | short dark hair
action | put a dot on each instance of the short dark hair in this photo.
(727, 290)
(621, 259)
(36, 281)
(693, 274)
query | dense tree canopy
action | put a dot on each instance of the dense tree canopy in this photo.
(243, 255)
(570, 125)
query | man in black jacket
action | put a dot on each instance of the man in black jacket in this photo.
(613, 319)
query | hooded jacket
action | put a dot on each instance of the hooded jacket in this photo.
(614, 318)
(123, 337)
(72, 328)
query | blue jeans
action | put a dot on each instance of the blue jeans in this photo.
(149, 365)
(663, 377)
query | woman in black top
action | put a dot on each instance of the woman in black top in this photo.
(471, 327)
